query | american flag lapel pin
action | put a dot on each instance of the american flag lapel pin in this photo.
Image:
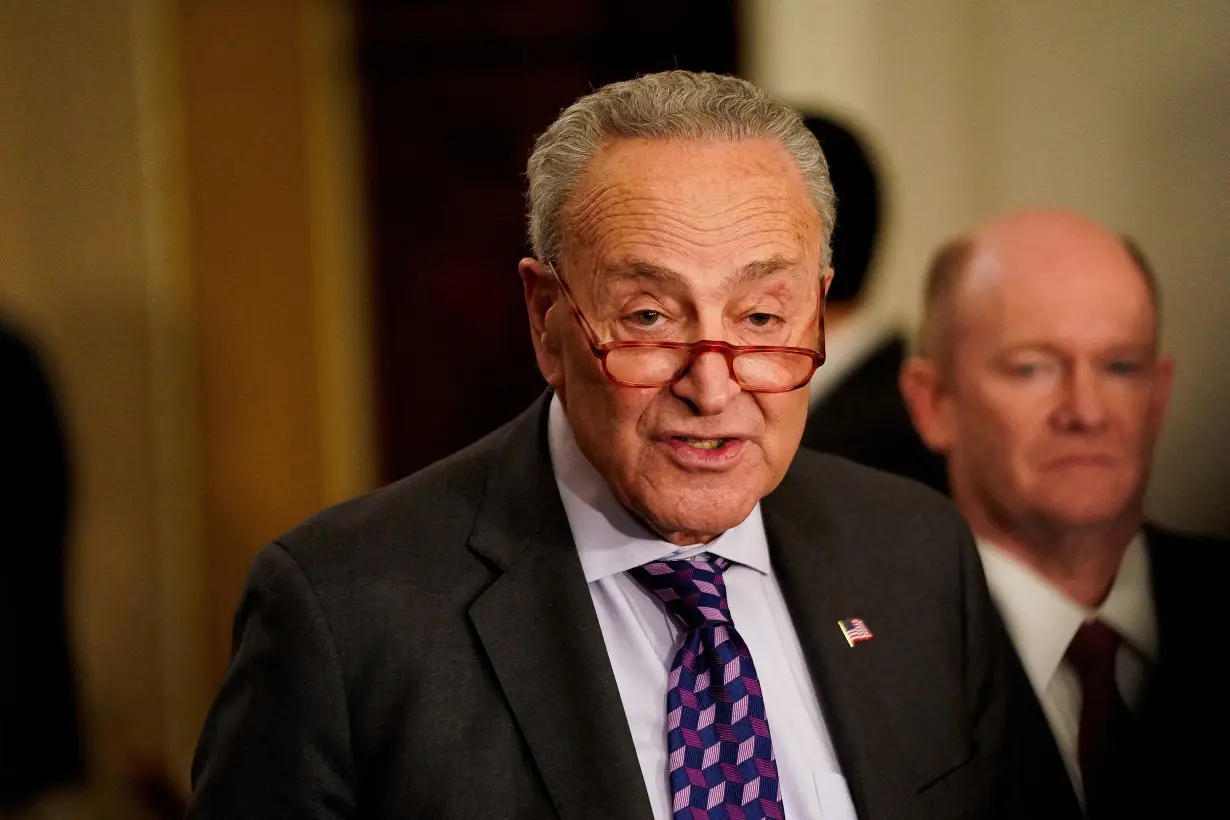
(855, 630)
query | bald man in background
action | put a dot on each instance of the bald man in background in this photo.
(1039, 377)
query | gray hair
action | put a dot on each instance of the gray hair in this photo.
(669, 105)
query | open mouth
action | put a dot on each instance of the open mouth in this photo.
(702, 443)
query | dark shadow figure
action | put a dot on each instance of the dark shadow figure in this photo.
(863, 417)
(40, 739)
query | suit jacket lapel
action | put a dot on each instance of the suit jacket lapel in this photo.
(848, 683)
(538, 627)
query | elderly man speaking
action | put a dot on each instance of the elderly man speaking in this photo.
(639, 599)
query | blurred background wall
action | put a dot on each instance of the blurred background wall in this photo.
(268, 248)
(181, 236)
(453, 96)
(88, 268)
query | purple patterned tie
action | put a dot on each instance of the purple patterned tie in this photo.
(721, 757)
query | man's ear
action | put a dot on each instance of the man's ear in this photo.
(826, 282)
(541, 294)
(926, 397)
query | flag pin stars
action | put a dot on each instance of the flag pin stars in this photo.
(855, 630)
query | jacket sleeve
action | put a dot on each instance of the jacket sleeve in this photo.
(276, 742)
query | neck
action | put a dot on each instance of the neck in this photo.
(676, 538)
(1080, 561)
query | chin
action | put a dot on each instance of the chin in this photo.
(1087, 507)
(697, 511)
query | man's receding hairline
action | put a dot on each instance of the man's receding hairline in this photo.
(950, 267)
(670, 104)
(568, 216)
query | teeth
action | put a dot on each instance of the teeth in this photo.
(704, 443)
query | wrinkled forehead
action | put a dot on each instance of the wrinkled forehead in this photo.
(785, 277)
(701, 213)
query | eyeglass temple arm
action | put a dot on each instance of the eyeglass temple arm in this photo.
(594, 341)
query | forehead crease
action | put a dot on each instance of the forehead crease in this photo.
(754, 271)
(657, 252)
(622, 269)
(712, 208)
(714, 202)
(763, 269)
(592, 200)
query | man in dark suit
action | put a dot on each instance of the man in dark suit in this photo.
(635, 601)
(40, 745)
(1040, 377)
(856, 409)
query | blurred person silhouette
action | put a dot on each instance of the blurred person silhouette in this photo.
(40, 740)
(43, 771)
(1039, 377)
(856, 408)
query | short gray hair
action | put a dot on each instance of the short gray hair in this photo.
(669, 105)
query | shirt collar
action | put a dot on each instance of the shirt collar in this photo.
(1042, 620)
(1129, 607)
(609, 539)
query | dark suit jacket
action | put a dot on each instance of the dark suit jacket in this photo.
(431, 650)
(864, 419)
(39, 742)
(1177, 766)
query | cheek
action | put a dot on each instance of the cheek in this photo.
(1002, 428)
(616, 421)
(785, 416)
(1140, 420)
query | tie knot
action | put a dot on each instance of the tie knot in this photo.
(693, 590)
(1093, 649)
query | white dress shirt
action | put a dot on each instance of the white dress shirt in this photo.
(1043, 621)
(642, 637)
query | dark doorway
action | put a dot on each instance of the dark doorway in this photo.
(454, 94)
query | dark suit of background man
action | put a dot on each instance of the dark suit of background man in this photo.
(1041, 379)
(856, 409)
(40, 746)
(625, 603)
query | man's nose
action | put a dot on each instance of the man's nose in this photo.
(1083, 406)
(707, 386)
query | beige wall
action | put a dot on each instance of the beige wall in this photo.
(180, 230)
(75, 269)
(1119, 109)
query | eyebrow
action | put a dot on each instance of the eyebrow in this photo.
(640, 269)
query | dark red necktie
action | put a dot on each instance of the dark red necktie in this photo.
(1105, 720)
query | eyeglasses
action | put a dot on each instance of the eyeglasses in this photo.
(755, 368)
